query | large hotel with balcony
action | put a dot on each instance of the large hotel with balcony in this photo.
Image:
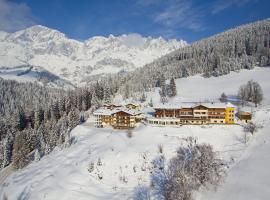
(193, 113)
(128, 116)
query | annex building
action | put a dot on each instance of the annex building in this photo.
(117, 116)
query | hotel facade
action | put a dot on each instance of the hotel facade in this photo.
(193, 113)
(118, 117)
(128, 116)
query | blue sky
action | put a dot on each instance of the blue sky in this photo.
(190, 20)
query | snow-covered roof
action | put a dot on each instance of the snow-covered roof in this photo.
(108, 112)
(103, 111)
(168, 106)
(193, 105)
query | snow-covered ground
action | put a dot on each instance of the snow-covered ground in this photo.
(197, 88)
(64, 174)
(126, 162)
(249, 179)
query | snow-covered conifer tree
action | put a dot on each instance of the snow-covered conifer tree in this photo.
(173, 90)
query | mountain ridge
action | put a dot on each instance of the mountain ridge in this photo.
(75, 60)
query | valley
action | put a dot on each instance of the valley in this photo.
(126, 161)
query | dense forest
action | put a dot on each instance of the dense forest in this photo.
(244, 47)
(34, 119)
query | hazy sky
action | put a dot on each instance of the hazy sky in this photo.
(190, 20)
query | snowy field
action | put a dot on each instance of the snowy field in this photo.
(126, 162)
(197, 88)
(249, 178)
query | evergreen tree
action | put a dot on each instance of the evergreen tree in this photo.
(7, 151)
(39, 117)
(62, 105)
(40, 143)
(20, 120)
(47, 115)
(173, 91)
(99, 91)
(37, 155)
(107, 95)
(143, 98)
(162, 81)
(55, 111)
(73, 119)
(86, 101)
(223, 97)
(95, 101)
(151, 103)
(20, 150)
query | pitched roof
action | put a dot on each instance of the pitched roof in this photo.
(108, 112)
(193, 105)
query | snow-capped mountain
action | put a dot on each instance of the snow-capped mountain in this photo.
(76, 61)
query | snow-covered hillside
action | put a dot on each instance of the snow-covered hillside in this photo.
(35, 74)
(75, 60)
(249, 179)
(126, 162)
(197, 88)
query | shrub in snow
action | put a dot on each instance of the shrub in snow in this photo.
(250, 127)
(129, 134)
(123, 178)
(100, 176)
(194, 166)
(160, 148)
(99, 163)
(141, 193)
(91, 167)
(245, 137)
(135, 168)
(159, 163)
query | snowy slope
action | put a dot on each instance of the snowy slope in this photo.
(64, 173)
(77, 60)
(249, 179)
(197, 88)
(34, 74)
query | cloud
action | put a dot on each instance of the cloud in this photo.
(15, 16)
(221, 5)
(176, 13)
(181, 14)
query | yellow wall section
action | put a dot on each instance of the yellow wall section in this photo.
(229, 118)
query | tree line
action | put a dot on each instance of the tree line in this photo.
(35, 119)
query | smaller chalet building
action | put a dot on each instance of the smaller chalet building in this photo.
(244, 116)
(117, 117)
